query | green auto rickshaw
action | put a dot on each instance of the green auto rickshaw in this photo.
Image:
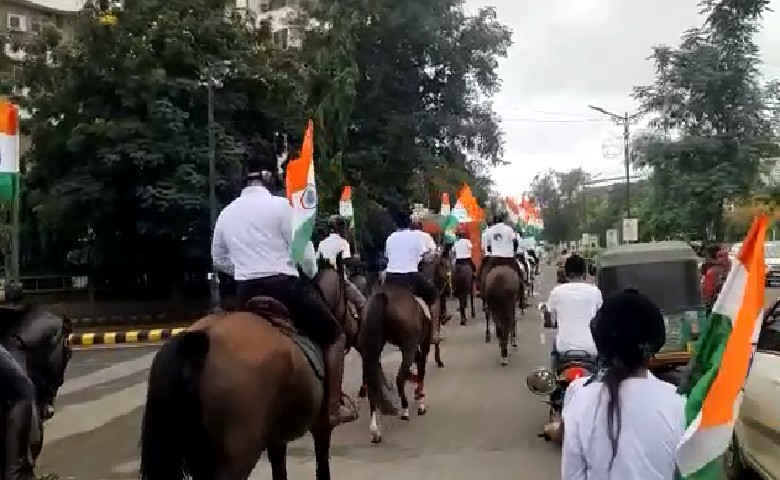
(666, 272)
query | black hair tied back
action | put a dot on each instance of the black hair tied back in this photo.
(628, 329)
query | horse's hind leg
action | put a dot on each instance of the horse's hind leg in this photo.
(419, 389)
(277, 457)
(462, 299)
(408, 353)
(487, 326)
(514, 329)
(471, 297)
(502, 332)
(322, 437)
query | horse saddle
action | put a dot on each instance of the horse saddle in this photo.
(277, 315)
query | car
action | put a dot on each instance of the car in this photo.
(771, 259)
(756, 442)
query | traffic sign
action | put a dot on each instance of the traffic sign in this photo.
(612, 237)
(630, 230)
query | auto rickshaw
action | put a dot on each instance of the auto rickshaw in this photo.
(667, 273)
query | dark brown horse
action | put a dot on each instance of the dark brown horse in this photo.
(332, 284)
(229, 388)
(393, 315)
(463, 284)
(436, 268)
(502, 290)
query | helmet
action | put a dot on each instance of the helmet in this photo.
(629, 342)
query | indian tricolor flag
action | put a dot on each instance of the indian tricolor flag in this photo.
(345, 203)
(9, 148)
(466, 208)
(722, 361)
(302, 194)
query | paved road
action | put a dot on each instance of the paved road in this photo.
(481, 419)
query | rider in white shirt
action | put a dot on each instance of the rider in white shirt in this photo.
(252, 241)
(404, 250)
(330, 248)
(624, 423)
(502, 247)
(574, 304)
(462, 248)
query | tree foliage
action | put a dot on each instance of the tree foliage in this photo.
(117, 176)
(713, 121)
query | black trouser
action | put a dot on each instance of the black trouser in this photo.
(308, 310)
(18, 396)
(467, 261)
(417, 283)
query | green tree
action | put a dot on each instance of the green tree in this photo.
(119, 162)
(404, 117)
(711, 118)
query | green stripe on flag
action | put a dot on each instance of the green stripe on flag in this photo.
(301, 237)
(7, 184)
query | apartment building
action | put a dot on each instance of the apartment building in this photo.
(23, 18)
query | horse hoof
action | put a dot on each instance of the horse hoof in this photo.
(376, 438)
(487, 338)
(504, 362)
(363, 392)
(463, 323)
(422, 409)
(514, 345)
(440, 364)
(404, 414)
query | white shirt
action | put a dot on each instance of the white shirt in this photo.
(252, 236)
(652, 424)
(462, 248)
(331, 246)
(574, 304)
(309, 263)
(484, 242)
(500, 239)
(430, 243)
(404, 249)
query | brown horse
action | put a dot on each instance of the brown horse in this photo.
(436, 268)
(393, 315)
(463, 284)
(332, 285)
(228, 388)
(502, 290)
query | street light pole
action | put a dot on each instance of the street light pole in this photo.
(625, 120)
(216, 301)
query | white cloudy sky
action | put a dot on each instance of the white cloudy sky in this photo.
(568, 54)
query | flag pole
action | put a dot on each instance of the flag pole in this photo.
(15, 211)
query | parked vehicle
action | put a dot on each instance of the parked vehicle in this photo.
(756, 442)
(771, 259)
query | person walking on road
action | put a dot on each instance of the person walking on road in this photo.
(623, 423)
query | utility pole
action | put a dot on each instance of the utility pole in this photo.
(216, 301)
(625, 120)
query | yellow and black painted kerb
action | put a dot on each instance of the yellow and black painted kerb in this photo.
(113, 338)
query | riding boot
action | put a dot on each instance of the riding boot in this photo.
(18, 462)
(341, 409)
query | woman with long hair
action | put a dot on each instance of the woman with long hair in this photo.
(623, 423)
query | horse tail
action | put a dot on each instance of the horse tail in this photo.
(174, 441)
(372, 341)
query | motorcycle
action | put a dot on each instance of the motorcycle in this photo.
(570, 366)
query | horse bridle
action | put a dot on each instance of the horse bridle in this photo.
(33, 354)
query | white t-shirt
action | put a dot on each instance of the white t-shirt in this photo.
(574, 304)
(404, 249)
(463, 248)
(652, 424)
(484, 242)
(430, 243)
(331, 246)
(500, 238)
